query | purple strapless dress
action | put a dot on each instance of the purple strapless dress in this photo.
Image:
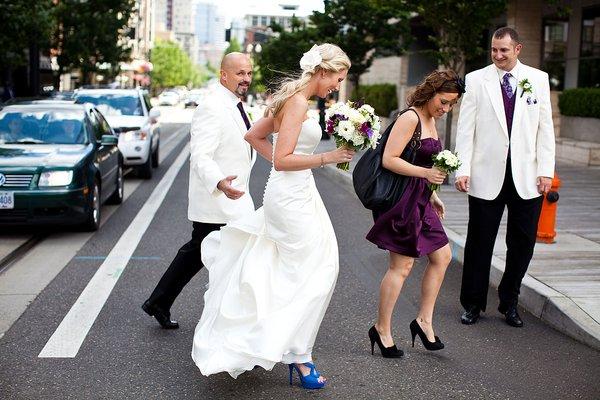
(412, 227)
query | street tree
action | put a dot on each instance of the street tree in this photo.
(364, 29)
(458, 27)
(25, 23)
(234, 46)
(280, 55)
(92, 35)
(26, 28)
(173, 67)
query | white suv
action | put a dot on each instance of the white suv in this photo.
(129, 113)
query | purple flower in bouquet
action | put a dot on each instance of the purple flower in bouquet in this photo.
(354, 126)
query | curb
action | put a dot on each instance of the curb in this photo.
(545, 303)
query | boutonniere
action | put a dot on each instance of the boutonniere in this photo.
(525, 86)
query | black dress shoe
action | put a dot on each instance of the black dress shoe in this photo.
(163, 318)
(512, 318)
(470, 316)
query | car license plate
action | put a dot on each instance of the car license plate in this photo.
(7, 200)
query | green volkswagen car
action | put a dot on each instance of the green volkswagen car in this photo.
(59, 161)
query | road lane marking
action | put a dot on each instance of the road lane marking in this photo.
(96, 258)
(72, 331)
(174, 135)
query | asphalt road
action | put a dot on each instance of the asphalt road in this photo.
(126, 355)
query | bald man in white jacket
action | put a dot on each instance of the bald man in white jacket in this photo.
(220, 165)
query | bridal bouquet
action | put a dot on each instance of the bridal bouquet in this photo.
(446, 161)
(354, 126)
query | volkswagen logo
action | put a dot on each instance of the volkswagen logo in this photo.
(2, 179)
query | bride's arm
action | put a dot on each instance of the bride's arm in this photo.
(293, 115)
(257, 137)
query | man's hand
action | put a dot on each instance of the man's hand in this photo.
(544, 184)
(462, 183)
(225, 187)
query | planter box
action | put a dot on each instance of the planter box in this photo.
(580, 128)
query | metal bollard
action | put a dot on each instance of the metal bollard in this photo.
(546, 232)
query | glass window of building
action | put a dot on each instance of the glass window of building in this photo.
(589, 61)
(555, 51)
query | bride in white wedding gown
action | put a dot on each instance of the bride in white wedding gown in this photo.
(272, 273)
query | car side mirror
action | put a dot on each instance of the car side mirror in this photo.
(154, 113)
(109, 140)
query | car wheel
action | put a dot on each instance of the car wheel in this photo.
(145, 170)
(118, 194)
(155, 155)
(92, 222)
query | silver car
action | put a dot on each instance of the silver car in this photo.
(129, 113)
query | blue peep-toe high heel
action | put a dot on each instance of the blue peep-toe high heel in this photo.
(310, 381)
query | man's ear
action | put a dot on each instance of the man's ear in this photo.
(518, 48)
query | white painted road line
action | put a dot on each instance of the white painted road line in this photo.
(72, 331)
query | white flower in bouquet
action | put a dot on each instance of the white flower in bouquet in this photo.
(346, 130)
(368, 109)
(358, 138)
(356, 117)
(354, 126)
(446, 161)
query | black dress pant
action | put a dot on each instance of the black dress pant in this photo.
(184, 266)
(484, 221)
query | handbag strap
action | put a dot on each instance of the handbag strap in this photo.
(415, 140)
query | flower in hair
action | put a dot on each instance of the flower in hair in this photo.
(311, 59)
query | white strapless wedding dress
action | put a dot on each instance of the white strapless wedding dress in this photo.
(271, 276)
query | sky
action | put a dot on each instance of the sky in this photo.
(238, 8)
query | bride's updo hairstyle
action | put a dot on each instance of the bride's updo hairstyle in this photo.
(446, 81)
(327, 57)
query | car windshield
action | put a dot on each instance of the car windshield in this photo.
(113, 103)
(42, 127)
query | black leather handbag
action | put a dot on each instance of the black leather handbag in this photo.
(376, 187)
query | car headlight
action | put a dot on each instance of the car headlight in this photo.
(134, 135)
(56, 178)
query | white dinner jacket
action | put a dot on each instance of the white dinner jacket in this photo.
(482, 140)
(218, 149)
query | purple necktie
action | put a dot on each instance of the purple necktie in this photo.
(240, 107)
(244, 116)
(506, 86)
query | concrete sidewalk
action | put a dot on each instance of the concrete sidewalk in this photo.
(562, 286)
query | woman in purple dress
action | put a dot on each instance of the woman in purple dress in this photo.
(412, 228)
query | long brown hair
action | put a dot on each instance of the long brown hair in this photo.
(446, 81)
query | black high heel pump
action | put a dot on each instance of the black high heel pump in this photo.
(415, 329)
(386, 352)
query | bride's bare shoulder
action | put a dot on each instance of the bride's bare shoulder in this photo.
(297, 102)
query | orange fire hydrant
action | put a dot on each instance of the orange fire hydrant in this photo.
(546, 225)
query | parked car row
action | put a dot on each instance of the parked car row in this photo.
(172, 97)
(61, 160)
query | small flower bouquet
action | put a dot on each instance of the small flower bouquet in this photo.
(446, 161)
(354, 126)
